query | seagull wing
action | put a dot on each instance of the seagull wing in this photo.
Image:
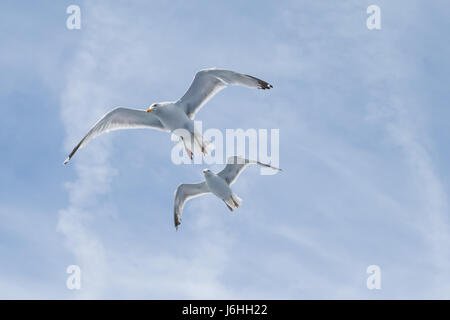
(184, 193)
(116, 119)
(235, 165)
(208, 82)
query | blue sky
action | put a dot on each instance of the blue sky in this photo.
(363, 118)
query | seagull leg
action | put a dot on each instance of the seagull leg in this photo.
(189, 152)
(228, 206)
(236, 200)
(199, 140)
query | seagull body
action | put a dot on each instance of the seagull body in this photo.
(220, 188)
(217, 184)
(172, 116)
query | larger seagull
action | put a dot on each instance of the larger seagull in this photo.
(172, 116)
(217, 184)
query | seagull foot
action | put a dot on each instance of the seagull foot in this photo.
(190, 154)
(229, 207)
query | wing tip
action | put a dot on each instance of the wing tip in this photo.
(269, 166)
(261, 83)
(264, 85)
(275, 168)
(66, 161)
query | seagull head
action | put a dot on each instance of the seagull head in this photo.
(153, 107)
(206, 171)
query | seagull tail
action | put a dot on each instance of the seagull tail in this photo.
(233, 202)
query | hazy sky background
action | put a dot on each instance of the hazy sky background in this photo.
(364, 130)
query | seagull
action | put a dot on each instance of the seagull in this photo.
(218, 184)
(175, 117)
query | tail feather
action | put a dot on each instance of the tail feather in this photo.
(234, 202)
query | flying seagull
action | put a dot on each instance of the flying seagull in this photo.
(218, 184)
(171, 116)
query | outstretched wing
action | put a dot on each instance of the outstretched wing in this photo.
(235, 165)
(116, 119)
(184, 193)
(210, 81)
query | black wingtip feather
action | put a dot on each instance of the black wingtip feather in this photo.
(264, 85)
(261, 83)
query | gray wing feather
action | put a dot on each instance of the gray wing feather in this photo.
(208, 82)
(184, 193)
(117, 119)
(235, 166)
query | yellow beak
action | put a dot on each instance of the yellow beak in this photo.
(150, 109)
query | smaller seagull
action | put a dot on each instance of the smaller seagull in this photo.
(218, 184)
